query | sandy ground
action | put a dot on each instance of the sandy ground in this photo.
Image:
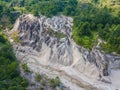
(115, 78)
(73, 79)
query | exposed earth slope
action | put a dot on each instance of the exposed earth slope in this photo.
(45, 44)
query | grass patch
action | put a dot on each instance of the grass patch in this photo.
(57, 34)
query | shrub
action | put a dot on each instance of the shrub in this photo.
(25, 67)
(15, 37)
(38, 77)
(54, 82)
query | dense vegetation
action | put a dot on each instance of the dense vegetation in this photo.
(91, 23)
(8, 15)
(10, 78)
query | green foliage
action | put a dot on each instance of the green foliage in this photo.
(15, 37)
(7, 15)
(41, 88)
(89, 20)
(25, 67)
(10, 78)
(2, 39)
(111, 35)
(57, 34)
(38, 77)
(54, 82)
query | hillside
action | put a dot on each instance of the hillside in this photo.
(47, 48)
(59, 41)
(94, 19)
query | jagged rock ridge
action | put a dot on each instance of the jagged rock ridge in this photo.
(49, 40)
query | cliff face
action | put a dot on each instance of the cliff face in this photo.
(46, 45)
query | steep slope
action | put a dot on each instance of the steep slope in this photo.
(45, 44)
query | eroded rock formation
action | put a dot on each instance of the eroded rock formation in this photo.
(48, 42)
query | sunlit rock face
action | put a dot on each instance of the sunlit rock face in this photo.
(49, 41)
(52, 33)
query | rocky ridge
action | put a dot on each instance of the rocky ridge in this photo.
(46, 46)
